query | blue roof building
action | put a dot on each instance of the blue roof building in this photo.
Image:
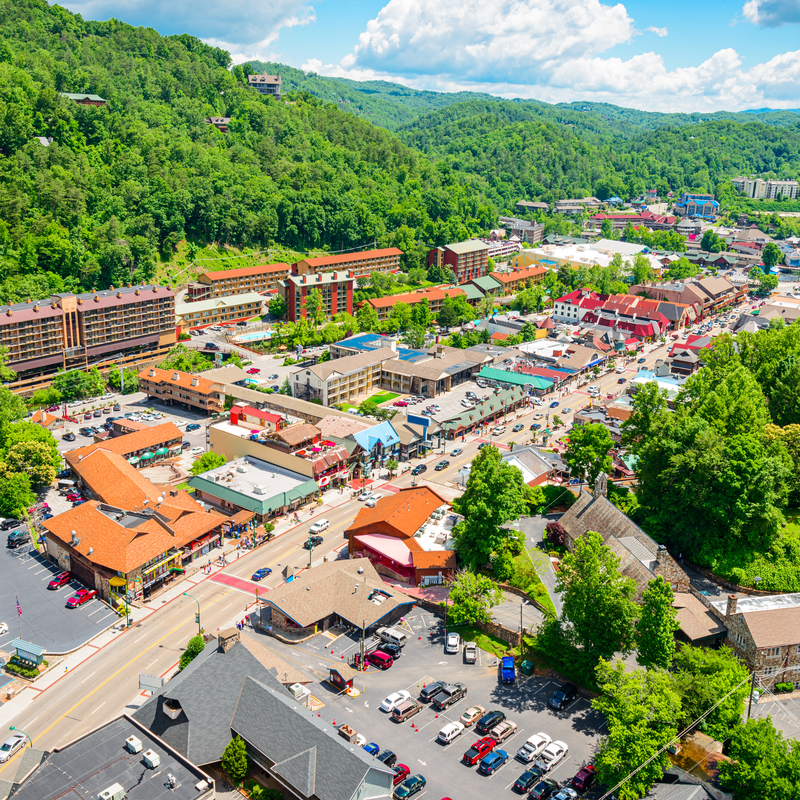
(697, 205)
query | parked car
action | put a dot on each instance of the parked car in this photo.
(443, 464)
(365, 495)
(388, 758)
(566, 794)
(430, 691)
(193, 427)
(409, 787)
(533, 747)
(3, 628)
(489, 720)
(479, 750)
(68, 437)
(77, 503)
(253, 371)
(401, 772)
(196, 451)
(394, 699)
(457, 452)
(393, 650)
(406, 709)
(372, 748)
(449, 696)
(472, 715)
(419, 469)
(60, 580)
(543, 790)
(18, 538)
(400, 403)
(8, 524)
(470, 652)
(563, 696)
(185, 445)
(505, 730)
(453, 643)
(585, 778)
(260, 574)
(450, 732)
(12, 745)
(80, 597)
(491, 763)
(551, 756)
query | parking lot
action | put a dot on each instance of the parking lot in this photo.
(45, 619)
(415, 741)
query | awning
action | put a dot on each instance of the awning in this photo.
(133, 460)
(162, 451)
(117, 581)
(146, 455)
(160, 563)
(240, 517)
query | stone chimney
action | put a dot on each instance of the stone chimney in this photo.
(601, 485)
(227, 638)
(730, 608)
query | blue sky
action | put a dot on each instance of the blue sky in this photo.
(681, 56)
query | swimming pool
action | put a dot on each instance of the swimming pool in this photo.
(255, 336)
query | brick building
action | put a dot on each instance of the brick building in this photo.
(467, 260)
(360, 264)
(130, 324)
(171, 386)
(336, 289)
(227, 282)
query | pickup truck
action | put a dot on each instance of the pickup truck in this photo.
(470, 653)
(451, 693)
(507, 670)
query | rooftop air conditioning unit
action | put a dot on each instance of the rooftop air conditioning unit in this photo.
(241, 467)
(151, 759)
(297, 690)
(133, 744)
(114, 792)
(258, 489)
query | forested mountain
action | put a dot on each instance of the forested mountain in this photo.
(118, 187)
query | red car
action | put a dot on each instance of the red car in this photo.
(74, 496)
(400, 403)
(80, 597)
(253, 371)
(59, 581)
(585, 778)
(478, 750)
(401, 772)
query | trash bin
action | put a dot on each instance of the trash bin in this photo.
(526, 667)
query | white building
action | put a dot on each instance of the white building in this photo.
(760, 189)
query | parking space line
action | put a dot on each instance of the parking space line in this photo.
(543, 687)
(96, 611)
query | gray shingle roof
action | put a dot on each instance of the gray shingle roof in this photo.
(314, 760)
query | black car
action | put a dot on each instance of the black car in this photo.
(488, 721)
(419, 469)
(431, 690)
(69, 437)
(622, 380)
(442, 465)
(565, 694)
(526, 780)
(85, 432)
(393, 650)
(313, 541)
(241, 323)
(17, 538)
(10, 523)
(547, 787)
(388, 758)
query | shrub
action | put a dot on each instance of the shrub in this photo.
(787, 686)
(17, 668)
(235, 761)
(555, 533)
(194, 647)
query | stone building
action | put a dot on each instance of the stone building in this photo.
(641, 558)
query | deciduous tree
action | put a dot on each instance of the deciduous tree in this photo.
(207, 461)
(588, 451)
(472, 596)
(657, 626)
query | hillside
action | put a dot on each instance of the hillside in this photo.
(118, 188)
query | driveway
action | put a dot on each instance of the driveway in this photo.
(45, 619)
(533, 528)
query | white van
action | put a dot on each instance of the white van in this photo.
(392, 636)
(450, 731)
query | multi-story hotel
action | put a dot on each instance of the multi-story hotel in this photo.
(336, 289)
(127, 325)
(361, 264)
(219, 309)
(264, 278)
(467, 260)
(761, 189)
(171, 386)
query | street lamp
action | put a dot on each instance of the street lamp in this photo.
(197, 616)
(12, 728)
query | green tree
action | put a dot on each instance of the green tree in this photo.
(6, 373)
(45, 398)
(421, 313)
(495, 494)
(641, 709)
(485, 307)
(34, 459)
(771, 255)
(472, 596)
(649, 405)
(763, 765)
(12, 407)
(597, 598)
(588, 451)
(606, 229)
(767, 282)
(185, 359)
(277, 307)
(367, 318)
(657, 626)
(315, 307)
(286, 387)
(77, 384)
(711, 242)
(703, 677)
(16, 495)
(129, 384)
(503, 566)
(447, 316)
(642, 270)
(235, 761)
(414, 337)
(194, 647)
(206, 462)
(392, 466)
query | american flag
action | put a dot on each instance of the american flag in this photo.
(19, 608)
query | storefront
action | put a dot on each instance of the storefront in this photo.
(200, 547)
(160, 571)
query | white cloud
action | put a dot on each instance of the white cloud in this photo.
(251, 26)
(657, 31)
(771, 13)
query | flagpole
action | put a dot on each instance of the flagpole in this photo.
(19, 617)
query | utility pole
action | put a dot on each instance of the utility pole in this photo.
(752, 690)
(363, 628)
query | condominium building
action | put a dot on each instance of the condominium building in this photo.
(227, 282)
(697, 205)
(172, 386)
(68, 331)
(434, 298)
(518, 279)
(759, 189)
(269, 85)
(467, 260)
(360, 264)
(219, 309)
(335, 288)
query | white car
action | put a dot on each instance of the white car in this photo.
(372, 500)
(451, 731)
(453, 643)
(319, 526)
(566, 794)
(196, 451)
(3, 628)
(365, 495)
(393, 700)
(533, 747)
(12, 745)
(551, 756)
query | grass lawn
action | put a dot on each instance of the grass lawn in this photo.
(383, 397)
(490, 644)
(526, 577)
(347, 406)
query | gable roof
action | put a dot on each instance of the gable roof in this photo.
(383, 433)
(406, 511)
(175, 377)
(774, 627)
(350, 258)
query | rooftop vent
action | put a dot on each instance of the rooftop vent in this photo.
(195, 381)
(152, 373)
(259, 489)
(151, 759)
(114, 792)
(175, 376)
(133, 744)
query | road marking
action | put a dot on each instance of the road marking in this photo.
(140, 638)
(114, 675)
(98, 707)
(83, 681)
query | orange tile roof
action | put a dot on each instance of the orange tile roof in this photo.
(415, 297)
(349, 258)
(519, 274)
(433, 559)
(405, 511)
(184, 379)
(499, 336)
(263, 269)
(144, 439)
(41, 417)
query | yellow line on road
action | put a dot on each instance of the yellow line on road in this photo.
(114, 675)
